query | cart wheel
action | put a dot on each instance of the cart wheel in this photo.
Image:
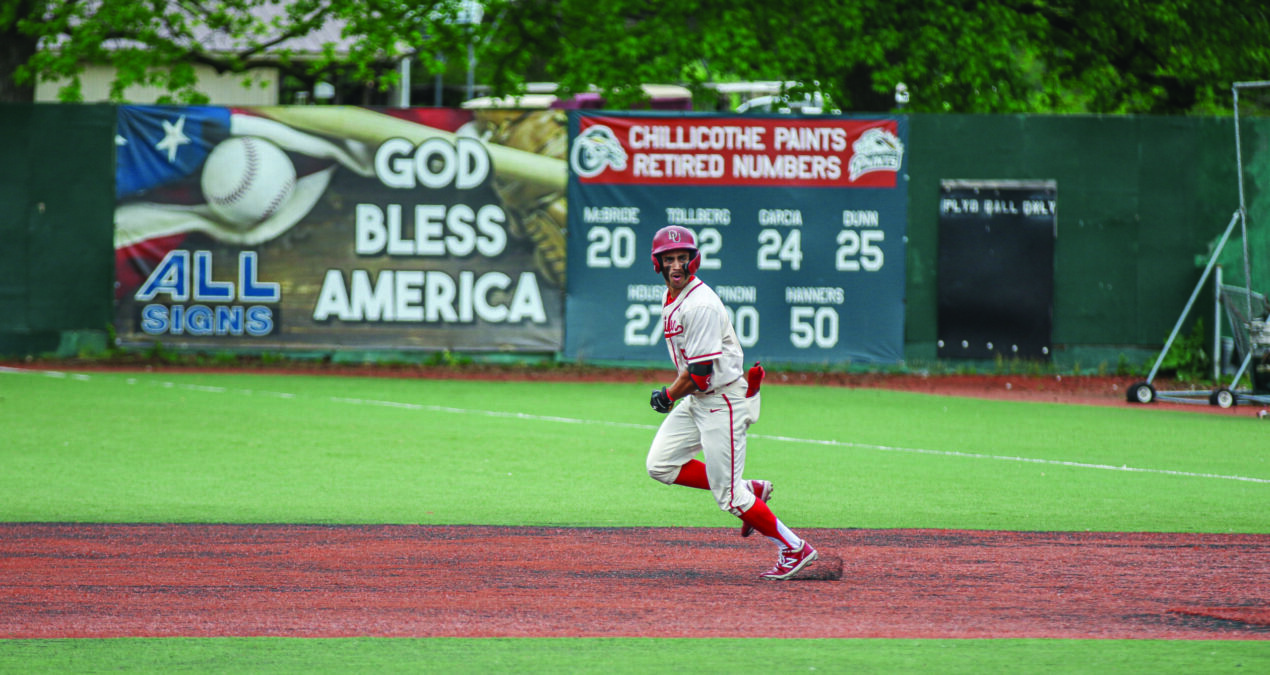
(1222, 398)
(1141, 392)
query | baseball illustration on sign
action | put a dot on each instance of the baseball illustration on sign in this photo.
(166, 188)
(247, 180)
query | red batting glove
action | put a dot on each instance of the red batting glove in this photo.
(754, 378)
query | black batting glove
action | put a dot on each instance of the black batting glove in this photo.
(661, 401)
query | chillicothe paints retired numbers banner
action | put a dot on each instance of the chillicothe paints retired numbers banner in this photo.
(801, 223)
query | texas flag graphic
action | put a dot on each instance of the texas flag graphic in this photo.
(231, 174)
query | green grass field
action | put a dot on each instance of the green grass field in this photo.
(176, 447)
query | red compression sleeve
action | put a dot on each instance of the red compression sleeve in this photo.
(693, 474)
(762, 519)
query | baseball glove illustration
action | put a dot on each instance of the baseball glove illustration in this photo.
(537, 210)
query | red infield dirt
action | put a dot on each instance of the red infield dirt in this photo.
(97, 581)
(89, 580)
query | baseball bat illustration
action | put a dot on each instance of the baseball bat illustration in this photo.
(373, 128)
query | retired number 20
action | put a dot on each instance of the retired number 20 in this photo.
(610, 248)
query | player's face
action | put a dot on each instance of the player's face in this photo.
(674, 266)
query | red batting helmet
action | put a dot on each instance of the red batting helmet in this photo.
(675, 238)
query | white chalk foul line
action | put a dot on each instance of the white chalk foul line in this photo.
(1008, 458)
(810, 441)
(628, 425)
(490, 413)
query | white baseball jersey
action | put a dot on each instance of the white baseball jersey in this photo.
(697, 329)
(712, 422)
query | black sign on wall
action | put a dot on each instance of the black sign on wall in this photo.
(996, 269)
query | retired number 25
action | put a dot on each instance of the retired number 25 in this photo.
(860, 250)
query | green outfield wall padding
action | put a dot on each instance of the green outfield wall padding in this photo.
(1256, 157)
(1140, 201)
(56, 222)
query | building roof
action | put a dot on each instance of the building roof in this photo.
(313, 43)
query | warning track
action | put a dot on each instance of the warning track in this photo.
(87, 580)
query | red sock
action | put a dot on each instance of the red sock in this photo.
(762, 519)
(693, 474)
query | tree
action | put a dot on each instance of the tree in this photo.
(1101, 56)
(1098, 56)
(159, 42)
(1136, 56)
(16, 48)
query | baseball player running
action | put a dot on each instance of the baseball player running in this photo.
(718, 400)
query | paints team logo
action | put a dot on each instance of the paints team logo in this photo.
(671, 328)
(875, 150)
(596, 149)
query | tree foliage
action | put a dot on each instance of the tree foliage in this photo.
(1099, 56)
(159, 42)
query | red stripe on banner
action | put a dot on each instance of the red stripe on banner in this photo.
(733, 151)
